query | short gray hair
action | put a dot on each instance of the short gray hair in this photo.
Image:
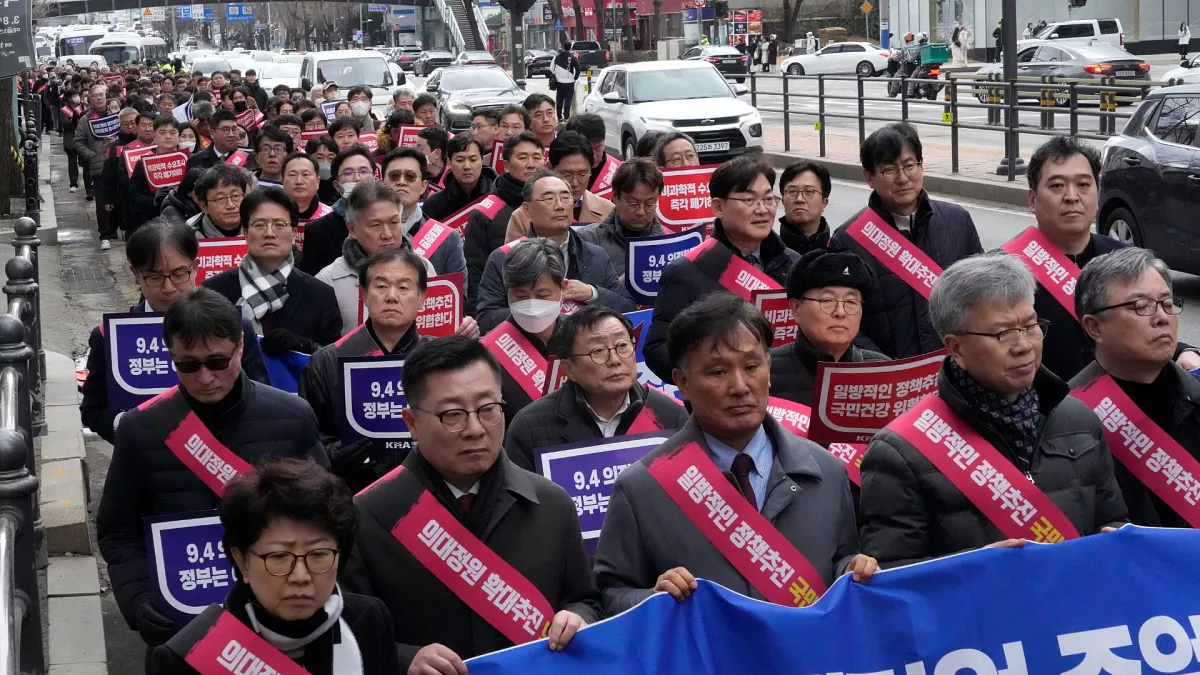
(1123, 266)
(989, 278)
(528, 260)
(407, 91)
(203, 110)
(367, 194)
(126, 112)
(527, 190)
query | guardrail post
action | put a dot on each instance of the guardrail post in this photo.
(1109, 104)
(29, 147)
(952, 94)
(993, 98)
(821, 112)
(25, 230)
(787, 125)
(1053, 102)
(753, 90)
(17, 355)
(1011, 164)
(18, 490)
(22, 291)
(862, 113)
(1074, 108)
(1042, 104)
(903, 101)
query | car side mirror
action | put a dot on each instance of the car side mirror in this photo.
(306, 84)
(613, 97)
(1054, 36)
(1185, 64)
(431, 88)
(521, 83)
(740, 89)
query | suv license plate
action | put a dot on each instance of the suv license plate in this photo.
(712, 147)
(1125, 73)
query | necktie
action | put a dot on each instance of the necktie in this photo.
(466, 501)
(742, 466)
(755, 262)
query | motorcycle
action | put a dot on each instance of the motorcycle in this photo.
(924, 82)
(905, 65)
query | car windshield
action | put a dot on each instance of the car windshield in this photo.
(587, 46)
(279, 71)
(476, 78)
(479, 56)
(117, 53)
(371, 72)
(210, 66)
(677, 84)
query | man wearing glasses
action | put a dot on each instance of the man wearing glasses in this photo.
(601, 397)
(460, 480)
(323, 237)
(176, 454)
(1001, 454)
(224, 146)
(896, 319)
(805, 188)
(570, 158)
(219, 193)
(1128, 309)
(404, 170)
(636, 189)
(271, 146)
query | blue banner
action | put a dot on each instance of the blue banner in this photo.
(641, 327)
(374, 402)
(1120, 604)
(139, 366)
(103, 127)
(588, 470)
(328, 107)
(188, 562)
(286, 370)
(647, 257)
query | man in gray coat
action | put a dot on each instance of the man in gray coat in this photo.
(93, 149)
(719, 351)
(636, 187)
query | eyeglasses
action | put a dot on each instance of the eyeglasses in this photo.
(1148, 307)
(262, 225)
(554, 200)
(544, 115)
(891, 173)
(234, 199)
(176, 276)
(807, 193)
(636, 206)
(1035, 332)
(272, 150)
(281, 563)
(830, 305)
(212, 364)
(599, 355)
(351, 174)
(406, 176)
(455, 420)
(480, 127)
(680, 160)
(770, 202)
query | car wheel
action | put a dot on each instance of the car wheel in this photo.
(739, 80)
(630, 150)
(1122, 226)
(864, 69)
(795, 69)
(983, 98)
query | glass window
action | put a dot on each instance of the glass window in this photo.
(620, 86)
(476, 78)
(606, 85)
(1026, 55)
(847, 48)
(831, 49)
(372, 72)
(676, 85)
(1177, 120)
(1108, 27)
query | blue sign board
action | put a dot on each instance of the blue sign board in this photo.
(188, 562)
(239, 13)
(641, 328)
(377, 8)
(403, 11)
(139, 366)
(558, 24)
(208, 17)
(647, 257)
(185, 12)
(374, 402)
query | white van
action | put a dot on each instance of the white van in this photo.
(129, 47)
(1108, 31)
(349, 68)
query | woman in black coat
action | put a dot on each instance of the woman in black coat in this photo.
(287, 526)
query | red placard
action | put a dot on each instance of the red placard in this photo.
(442, 312)
(219, 254)
(685, 200)
(854, 400)
(557, 377)
(406, 136)
(237, 158)
(796, 417)
(298, 242)
(498, 164)
(114, 79)
(370, 140)
(307, 136)
(132, 155)
(165, 170)
(896, 252)
(774, 305)
(1052, 268)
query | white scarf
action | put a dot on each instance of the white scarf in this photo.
(347, 659)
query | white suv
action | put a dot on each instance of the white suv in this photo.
(690, 96)
(1108, 31)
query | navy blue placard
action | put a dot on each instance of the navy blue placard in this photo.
(647, 257)
(373, 401)
(188, 562)
(139, 366)
(103, 127)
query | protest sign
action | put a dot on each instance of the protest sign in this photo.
(854, 400)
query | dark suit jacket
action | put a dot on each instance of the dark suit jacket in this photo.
(323, 239)
(205, 159)
(311, 311)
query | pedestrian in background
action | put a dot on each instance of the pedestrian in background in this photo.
(772, 53)
(563, 75)
(1185, 40)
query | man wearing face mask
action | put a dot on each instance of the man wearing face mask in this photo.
(404, 171)
(141, 204)
(468, 179)
(113, 187)
(636, 188)
(271, 146)
(68, 122)
(590, 275)
(324, 150)
(360, 108)
(431, 142)
(324, 236)
(485, 230)
(571, 159)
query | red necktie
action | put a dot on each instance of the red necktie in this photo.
(466, 501)
(742, 466)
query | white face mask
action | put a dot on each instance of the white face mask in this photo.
(348, 188)
(535, 316)
(190, 146)
(360, 108)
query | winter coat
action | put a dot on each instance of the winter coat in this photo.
(483, 235)
(68, 124)
(452, 198)
(91, 148)
(310, 312)
(177, 207)
(344, 279)
(323, 239)
(593, 209)
(794, 239)
(794, 368)
(614, 239)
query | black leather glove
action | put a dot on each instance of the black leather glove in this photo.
(154, 627)
(280, 340)
(351, 457)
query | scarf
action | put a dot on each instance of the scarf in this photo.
(509, 189)
(262, 293)
(322, 644)
(206, 229)
(1016, 422)
(353, 252)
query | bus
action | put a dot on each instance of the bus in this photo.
(128, 47)
(77, 40)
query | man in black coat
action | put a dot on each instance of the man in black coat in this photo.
(462, 477)
(910, 510)
(590, 274)
(896, 318)
(249, 422)
(523, 155)
(224, 141)
(467, 181)
(636, 188)
(108, 190)
(323, 237)
(744, 205)
(601, 397)
(288, 308)
(805, 188)
(142, 204)
(255, 88)
(825, 293)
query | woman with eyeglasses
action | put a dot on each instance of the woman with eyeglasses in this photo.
(162, 257)
(288, 527)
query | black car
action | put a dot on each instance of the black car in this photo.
(406, 57)
(463, 90)
(1150, 178)
(538, 62)
(430, 61)
(728, 60)
(590, 54)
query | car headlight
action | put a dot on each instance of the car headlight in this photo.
(457, 108)
(749, 117)
(657, 122)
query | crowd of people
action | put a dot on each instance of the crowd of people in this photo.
(347, 584)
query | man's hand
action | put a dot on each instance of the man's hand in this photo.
(437, 659)
(109, 207)
(1188, 360)
(1007, 543)
(578, 291)
(563, 628)
(154, 627)
(862, 567)
(468, 328)
(678, 582)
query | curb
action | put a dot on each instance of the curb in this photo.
(76, 622)
(63, 471)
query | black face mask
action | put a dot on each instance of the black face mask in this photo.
(239, 106)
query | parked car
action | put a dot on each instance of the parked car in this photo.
(474, 58)
(463, 89)
(590, 54)
(348, 68)
(1150, 178)
(1188, 71)
(728, 60)
(271, 75)
(538, 62)
(841, 58)
(1108, 31)
(690, 96)
(1088, 61)
(405, 57)
(430, 61)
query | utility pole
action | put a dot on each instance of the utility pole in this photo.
(1008, 37)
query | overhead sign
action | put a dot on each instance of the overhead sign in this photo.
(403, 11)
(16, 39)
(207, 17)
(154, 13)
(239, 13)
(377, 8)
(185, 12)
(260, 26)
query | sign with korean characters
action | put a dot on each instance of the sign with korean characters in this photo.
(587, 471)
(16, 38)
(132, 155)
(374, 402)
(369, 140)
(442, 312)
(684, 200)
(854, 400)
(219, 254)
(167, 170)
(188, 562)
(647, 257)
(796, 417)
(1052, 268)
(775, 306)
(895, 252)
(407, 136)
(329, 107)
(103, 127)
(139, 366)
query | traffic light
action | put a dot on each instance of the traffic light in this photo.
(721, 9)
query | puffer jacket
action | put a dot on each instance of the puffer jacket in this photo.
(794, 368)
(910, 511)
(176, 207)
(896, 318)
(91, 148)
(482, 235)
(68, 122)
(614, 239)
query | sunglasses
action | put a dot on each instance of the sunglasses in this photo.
(212, 363)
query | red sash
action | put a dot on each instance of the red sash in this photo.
(322, 210)
(795, 417)
(430, 237)
(236, 158)
(895, 251)
(646, 421)
(229, 646)
(518, 358)
(490, 586)
(194, 445)
(738, 531)
(739, 276)
(131, 145)
(1053, 269)
(1014, 505)
(603, 187)
(508, 247)
(458, 221)
(1150, 454)
(132, 155)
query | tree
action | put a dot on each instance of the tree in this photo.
(657, 33)
(790, 14)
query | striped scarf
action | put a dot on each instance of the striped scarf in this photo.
(262, 293)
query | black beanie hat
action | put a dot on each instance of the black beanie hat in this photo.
(821, 267)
